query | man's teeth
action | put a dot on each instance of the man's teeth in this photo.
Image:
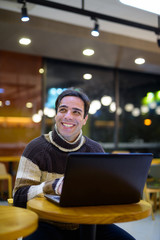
(68, 125)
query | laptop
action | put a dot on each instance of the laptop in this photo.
(93, 179)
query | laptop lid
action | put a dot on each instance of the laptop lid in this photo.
(100, 179)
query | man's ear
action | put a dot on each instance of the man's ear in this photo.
(85, 119)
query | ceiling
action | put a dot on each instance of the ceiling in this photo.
(64, 35)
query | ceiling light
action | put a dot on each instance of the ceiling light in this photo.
(88, 52)
(87, 76)
(29, 105)
(24, 17)
(25, 41)
(139, 61)
(146, 5)
(41, 70)
(95, 31)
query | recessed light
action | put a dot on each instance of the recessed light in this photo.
(88, 52)
(139, 61)
(25, 41)
(29, 105)
(41, 70)
(87, 76)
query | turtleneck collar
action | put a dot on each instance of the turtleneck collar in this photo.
(65, 146)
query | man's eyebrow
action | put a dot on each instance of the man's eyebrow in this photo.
(63, 105)
(74, 108)
(77, 109)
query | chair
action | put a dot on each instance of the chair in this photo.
(152, 187)
(6, 176)
(146, 196)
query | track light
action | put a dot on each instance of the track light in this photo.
(95, 31)
(24, 17)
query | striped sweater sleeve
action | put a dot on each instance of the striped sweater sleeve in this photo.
(28, 182)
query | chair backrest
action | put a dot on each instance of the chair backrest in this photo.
(154, 171)
(2, 169)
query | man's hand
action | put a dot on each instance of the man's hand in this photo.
(53, 186)
(48, 189)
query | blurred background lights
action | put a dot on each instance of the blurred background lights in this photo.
(139, 61)
(94, 106)
(41, 70)
(87, 76)
(129, 107)
(25, 41)
(40, 112)
(157, 110)
(157, 96)
(1, 90)
(144, 109)
(112, 107)
(92, 110)
(1, 104)
(59, 91)
(49, 112)
(136, 112)
(36, 118)
(7, 102)
(88, 52)
(106, 100)
(119, 111)
(147, 122)
(153, 105)
(29, 105)
(52, 91)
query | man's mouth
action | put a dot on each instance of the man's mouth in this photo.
(67, 124)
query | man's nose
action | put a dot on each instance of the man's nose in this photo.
(68, 115)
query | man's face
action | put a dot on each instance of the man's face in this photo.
(70, 117)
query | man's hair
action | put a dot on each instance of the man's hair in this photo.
(76, 93)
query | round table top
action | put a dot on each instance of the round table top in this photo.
(89, 215)
(16, 222)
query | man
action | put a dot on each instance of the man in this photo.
(43, 163)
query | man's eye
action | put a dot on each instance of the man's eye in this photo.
(77, 112)
(62, 110)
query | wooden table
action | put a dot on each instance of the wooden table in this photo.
(90, 215)
(16, 222)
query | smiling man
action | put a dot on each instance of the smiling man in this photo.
(43, 163)
(70, 117)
